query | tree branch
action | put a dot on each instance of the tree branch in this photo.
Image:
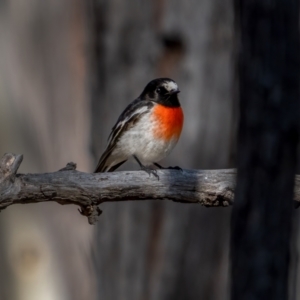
(210, 188)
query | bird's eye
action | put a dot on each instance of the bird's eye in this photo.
(161, 90)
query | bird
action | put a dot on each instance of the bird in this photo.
(147, 130)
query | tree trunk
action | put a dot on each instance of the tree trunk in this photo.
(44, 115)
(268, 136)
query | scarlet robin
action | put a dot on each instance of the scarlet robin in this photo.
(148, 129)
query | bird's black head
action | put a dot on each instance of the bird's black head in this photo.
(163, 91)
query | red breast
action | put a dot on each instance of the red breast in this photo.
(169, 122)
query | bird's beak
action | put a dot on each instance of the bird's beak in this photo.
(175, 92)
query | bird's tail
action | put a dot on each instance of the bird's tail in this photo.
(107, 163)
(101, 169)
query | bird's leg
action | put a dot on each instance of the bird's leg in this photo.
(170, 168)
(144, 168)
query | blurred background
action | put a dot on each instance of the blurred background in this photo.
(67, 70)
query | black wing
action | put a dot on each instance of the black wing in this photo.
(132, 114)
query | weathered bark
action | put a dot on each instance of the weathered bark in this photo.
(68, 186)
(269, 74)
(210, 188)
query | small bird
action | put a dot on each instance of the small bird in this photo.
(148, 129)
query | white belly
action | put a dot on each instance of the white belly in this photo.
(139, 141)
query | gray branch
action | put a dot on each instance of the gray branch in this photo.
(210, 188)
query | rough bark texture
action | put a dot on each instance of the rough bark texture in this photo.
(210, 188)
(268, 136)
(68, 186)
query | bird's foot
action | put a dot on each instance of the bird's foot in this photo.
(175, 168)
(170, 168)
(150, 171)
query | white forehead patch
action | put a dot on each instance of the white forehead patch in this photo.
(170, 86)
